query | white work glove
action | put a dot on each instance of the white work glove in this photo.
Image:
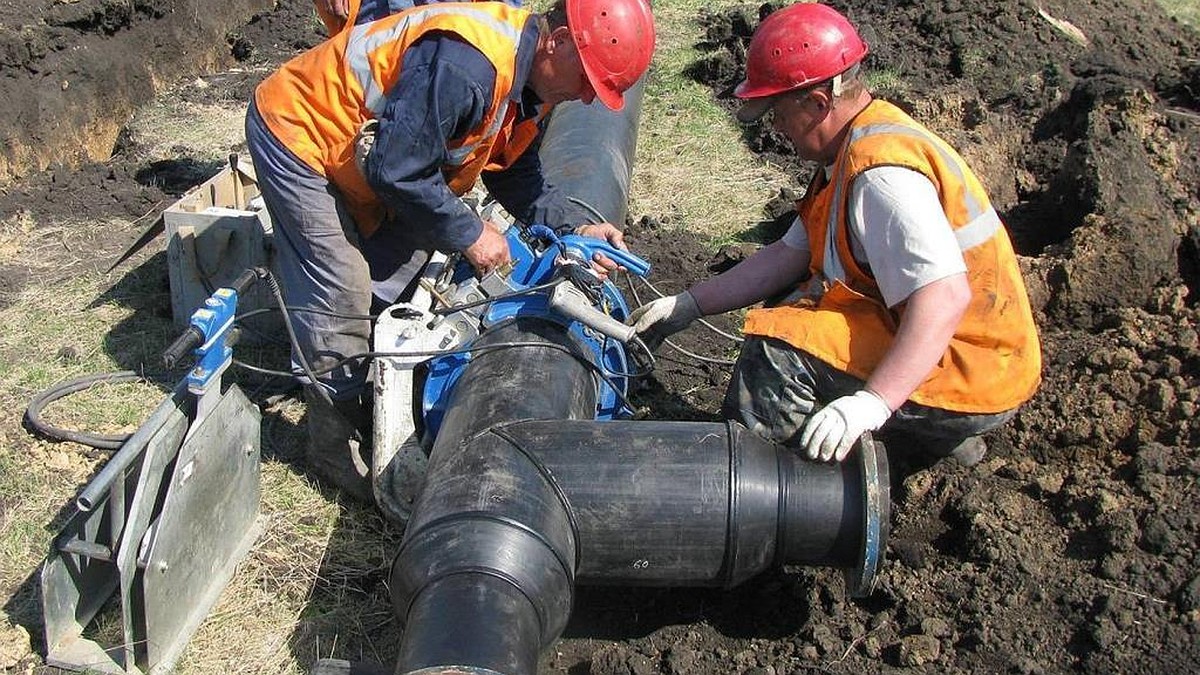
(657, 320)
(364, 140)
(833, 430)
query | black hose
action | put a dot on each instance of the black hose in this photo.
(33, 413)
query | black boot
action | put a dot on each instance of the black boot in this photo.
(339, 444)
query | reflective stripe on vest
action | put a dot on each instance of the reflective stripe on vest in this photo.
(993, 361)
(982, 226)
(316, 103)
(364, 41)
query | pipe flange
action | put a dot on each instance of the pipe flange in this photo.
(860, 580)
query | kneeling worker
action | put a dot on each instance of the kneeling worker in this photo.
(906, 311)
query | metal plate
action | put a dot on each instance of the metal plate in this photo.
(74, 587)
(860, 580)
(208, 522)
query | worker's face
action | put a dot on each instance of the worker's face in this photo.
(558, 75)
(800, 117)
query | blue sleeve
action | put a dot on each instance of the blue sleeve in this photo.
(443, 92)
(523, 191)
(371, 10)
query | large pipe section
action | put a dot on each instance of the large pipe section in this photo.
(524, 497)
(588, 151)
(486, 571)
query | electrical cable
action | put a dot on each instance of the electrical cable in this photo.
(711, 327)
(310, 310)
(33, 413)
(646, 369)
(593, 210)
(266, 275)
(671, 344)
(454, 309)
(114, 441)
(481, 349)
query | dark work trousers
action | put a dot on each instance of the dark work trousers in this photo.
(325, 265)
(776, 387)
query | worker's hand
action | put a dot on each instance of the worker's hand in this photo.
(338, 8)
(657, 320)
(601, 263)
(833, 430)
(364, 140)
(489, 251)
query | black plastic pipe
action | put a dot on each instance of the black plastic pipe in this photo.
(596, 166)
(512, 514)
(485, 574)
(691, 503)
(525, 495)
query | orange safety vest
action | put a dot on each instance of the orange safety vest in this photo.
(993, 362)
(316, 103)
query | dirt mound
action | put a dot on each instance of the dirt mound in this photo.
(1075, 546)
(1084, 147)
(75, 71)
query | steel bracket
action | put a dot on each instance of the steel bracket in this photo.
(155, 537)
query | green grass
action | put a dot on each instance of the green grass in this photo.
(691, 163)
(1187, 11)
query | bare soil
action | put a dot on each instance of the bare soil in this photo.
(1072, 547)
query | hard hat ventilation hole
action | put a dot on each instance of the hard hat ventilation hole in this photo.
(614, 41)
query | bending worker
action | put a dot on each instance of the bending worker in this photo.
(906, 308)
(364, 145)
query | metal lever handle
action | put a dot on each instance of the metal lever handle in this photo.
(589, 246)
(193, 337)
(571, 302)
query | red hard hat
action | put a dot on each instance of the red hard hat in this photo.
(615, 40)
(799, 46)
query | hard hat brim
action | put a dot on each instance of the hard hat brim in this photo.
(754, 108)
(612, 99)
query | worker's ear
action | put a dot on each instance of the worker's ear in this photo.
(560, 38)
(821, 100)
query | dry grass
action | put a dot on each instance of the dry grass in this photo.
(171, 129)
(314, 583)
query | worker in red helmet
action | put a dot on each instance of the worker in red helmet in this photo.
(364, 145)
(905, 310)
